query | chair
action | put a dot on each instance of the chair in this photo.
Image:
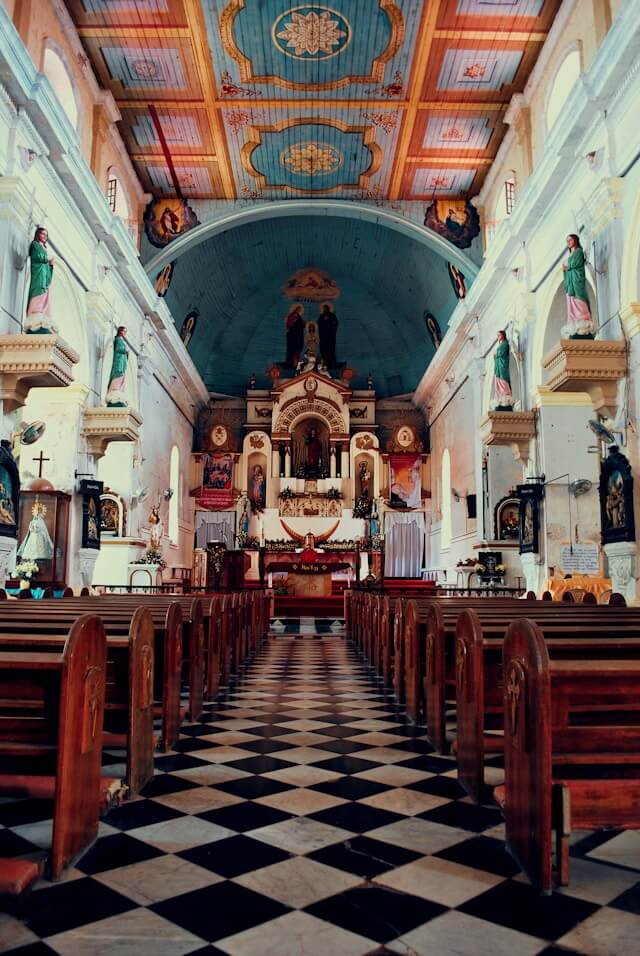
(578, 594)
(589, 598)
(617, 600)
(568, 598)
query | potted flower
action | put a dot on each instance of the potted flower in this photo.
(25, 570)
(479, 568)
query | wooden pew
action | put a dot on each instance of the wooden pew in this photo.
(479, 682)
(129, 711)
(52, 617)
(434, 628)
(51, 715)
(572, 750)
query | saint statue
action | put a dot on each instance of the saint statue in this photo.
(503, 394)
(157, 528)
(257, 489)
(118, 374)
(580, 324)
(37, 544)
(294, 325)
(365, 477)
(307, 363)
(313, 447)
(244, 520)
(327, 330)
(39, 319)
(374, 523)
(7, 513)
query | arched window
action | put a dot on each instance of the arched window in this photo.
(55, 70)
(174, 503)
(445, 502)
(563, 83)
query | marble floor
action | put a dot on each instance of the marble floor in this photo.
(305, 816)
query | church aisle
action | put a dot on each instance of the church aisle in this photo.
(304, 816)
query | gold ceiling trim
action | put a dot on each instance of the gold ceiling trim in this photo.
(230, 12)
(254, 139)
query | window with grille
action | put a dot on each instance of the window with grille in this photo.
(509, 196)
(112, 192)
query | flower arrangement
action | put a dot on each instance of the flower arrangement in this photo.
(500, 568)
(479, 568)
(25, 570)
(467, 563)
(247, 542)
(362, 507)
(334, 494)
(287, 494)
(152, 556)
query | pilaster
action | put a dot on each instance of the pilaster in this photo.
(621, 561)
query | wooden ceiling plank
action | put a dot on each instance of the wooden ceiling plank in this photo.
(204, 64)
(424, 42)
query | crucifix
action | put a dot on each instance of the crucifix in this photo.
(40, 460)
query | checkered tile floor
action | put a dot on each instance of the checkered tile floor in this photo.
(304, 816)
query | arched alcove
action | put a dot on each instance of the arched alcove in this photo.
(56, 71)
(561, 85)
(549, 330)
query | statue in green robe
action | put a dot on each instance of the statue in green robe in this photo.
(118, 374)
(502, 375)
(580, 324)
(39, 320)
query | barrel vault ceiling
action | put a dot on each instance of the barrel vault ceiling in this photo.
(354, 99)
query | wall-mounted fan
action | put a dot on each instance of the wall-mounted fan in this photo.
(580, 487)
(31, 432)
(140, 494)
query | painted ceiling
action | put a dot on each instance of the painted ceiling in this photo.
(386, 281)
(367, 99)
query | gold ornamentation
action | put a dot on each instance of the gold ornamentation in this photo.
(256, 441)
(311, 34)
(461, 659)
(364, 441)
(311, 159)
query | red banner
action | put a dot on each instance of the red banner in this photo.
(217, 482)
(405, 480)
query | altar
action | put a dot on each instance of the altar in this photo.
(309, 572)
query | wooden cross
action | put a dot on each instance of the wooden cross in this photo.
(41, 460)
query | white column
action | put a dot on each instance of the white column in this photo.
(344, 460)
(332, 461)
(275, 462)
(621, 562)
(287, 461)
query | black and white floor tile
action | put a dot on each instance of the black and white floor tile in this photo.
(304, 816)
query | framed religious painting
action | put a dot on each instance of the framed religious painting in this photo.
(529, 497)
(9, 492)
(616, 498)
(91, 490)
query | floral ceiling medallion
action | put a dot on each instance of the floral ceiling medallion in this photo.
(311, 32)
(311, 159)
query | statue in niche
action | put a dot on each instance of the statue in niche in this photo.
(257, 489)
(580, 324)
(502, 376)
(364, 476)
(37, 544)
(374, 523)
(328, 330)
(294, 325)
(39, 319)
(118, 374)
(244, 520)
(310, 454)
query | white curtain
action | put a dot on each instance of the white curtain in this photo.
(215, 526)
(403, 544)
